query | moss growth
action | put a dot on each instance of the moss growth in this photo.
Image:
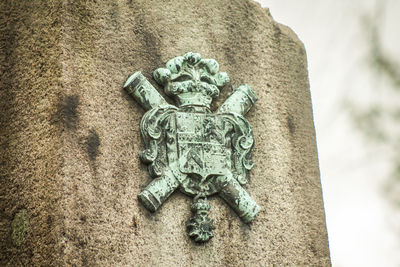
(20, 227)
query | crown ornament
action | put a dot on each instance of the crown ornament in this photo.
(192, 80)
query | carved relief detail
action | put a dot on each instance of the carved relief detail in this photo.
(190, 148)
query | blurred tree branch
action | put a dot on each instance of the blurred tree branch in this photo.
(379, 120)
(380, 61)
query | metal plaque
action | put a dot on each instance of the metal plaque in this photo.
(187, 147)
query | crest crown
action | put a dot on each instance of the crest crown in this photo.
(191, 79)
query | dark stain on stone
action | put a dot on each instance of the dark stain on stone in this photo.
(134, 222)
(8, 81)
(85, 261)
(148, 38)
(277, 32)
(301, 50)
(242, 28)
(229, 219)
(245, 228)
(93, 143)
(82, 243)
(81, 36)
(152, 42)
(83, 218)
(290, 124)
(68, 111)
(313, 249)
(114, 15)
(49, 222)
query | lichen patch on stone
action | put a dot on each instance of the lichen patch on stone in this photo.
(20, 227)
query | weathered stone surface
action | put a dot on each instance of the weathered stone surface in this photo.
(69, 135)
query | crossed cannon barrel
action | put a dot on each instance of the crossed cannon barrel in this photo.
(162, 187)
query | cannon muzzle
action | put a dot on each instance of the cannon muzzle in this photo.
(240, 102)
(238, 198)
(154, 195)
(141, 89)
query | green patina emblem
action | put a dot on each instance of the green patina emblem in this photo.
(187, 147)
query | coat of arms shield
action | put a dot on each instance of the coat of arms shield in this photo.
(202, 147)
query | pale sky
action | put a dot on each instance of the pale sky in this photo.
(363, 227)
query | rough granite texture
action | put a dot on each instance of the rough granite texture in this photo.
(69, 135)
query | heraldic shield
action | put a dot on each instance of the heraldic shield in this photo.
(201, 144)
(187, 147)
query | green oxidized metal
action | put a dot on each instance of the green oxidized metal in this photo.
(190, 148)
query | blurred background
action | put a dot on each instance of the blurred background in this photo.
(354, 67)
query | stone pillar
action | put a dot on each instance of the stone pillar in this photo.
(69, 136)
